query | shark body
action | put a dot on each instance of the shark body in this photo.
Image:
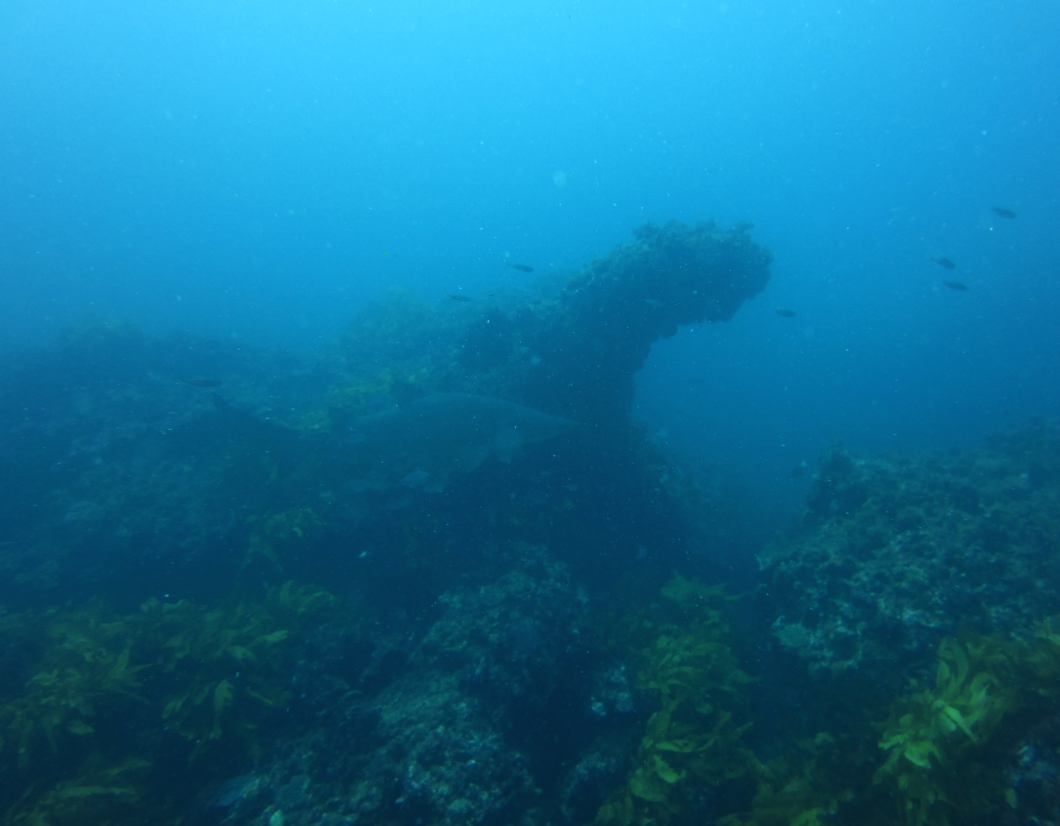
(426, 442)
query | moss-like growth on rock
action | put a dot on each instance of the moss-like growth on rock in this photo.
(896, 553)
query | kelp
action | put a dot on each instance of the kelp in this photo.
(227, 664)
(941, 754)
(108, 693)
(807, 785)
(399, 347)
(942, 757)
(275, 535)
(105, 795)
(947, 745)
(693, 739)
(101, 696)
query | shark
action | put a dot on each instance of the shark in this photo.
(425, 443)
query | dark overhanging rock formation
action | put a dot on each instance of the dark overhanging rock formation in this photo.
(608, 316)
(572, 351)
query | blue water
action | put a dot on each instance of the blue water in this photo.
(261, 170)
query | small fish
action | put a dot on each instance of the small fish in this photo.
(945, 263)
(200, 382)
(234, 790)
(520, 267)
(459, 296)
(959, 286)
(800, 470)
(654, 302)
(785, 313)
(697, 380)
(1004, 213)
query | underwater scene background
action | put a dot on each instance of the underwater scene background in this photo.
(551, 414)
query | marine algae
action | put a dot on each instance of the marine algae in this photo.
(104, 690)
(946, 750)
(276, 535)
(947, 745)
(942, 751)
(940, 758)
(806, 786)
(692, 740)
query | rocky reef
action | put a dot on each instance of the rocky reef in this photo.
(166, 494)
(211, 613)
(182, 459)
(911, 612)
(895, 553)
(466, 727)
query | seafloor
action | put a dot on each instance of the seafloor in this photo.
(434, 574)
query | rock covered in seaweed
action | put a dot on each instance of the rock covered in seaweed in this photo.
(571, 350)
(608, 316)
(897, 552)
(113, 463)
(459, 735)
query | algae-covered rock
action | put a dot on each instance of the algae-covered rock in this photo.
(144, 463)
(165, 472)
(569, 348)
(895, 553)
(465, 732)
(607, 317)
(122, 476)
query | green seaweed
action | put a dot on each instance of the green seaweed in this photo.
(806, 786)
(940, 741)
(942, 749)
(104, 689)
(112, 795)
(939, 758)
(276, 535)
(692, 740)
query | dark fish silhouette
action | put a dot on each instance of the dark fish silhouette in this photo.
(786, 313)
(200, 382)
(945, 263)
(435, 438)
(520, 267)
(800, 470)
(956, 285)
(1004, 213)
(459, 296)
